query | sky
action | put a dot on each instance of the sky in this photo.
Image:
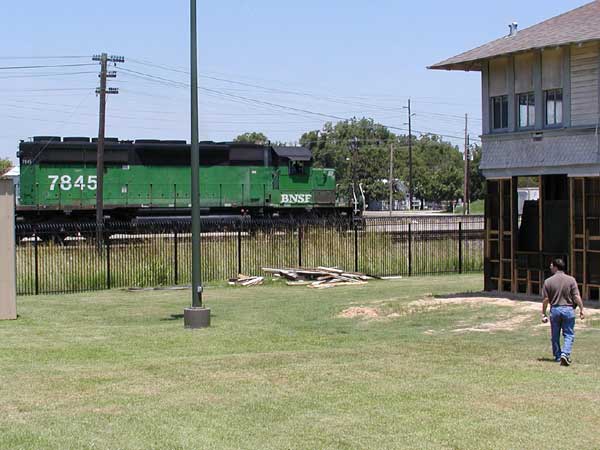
(278, 67)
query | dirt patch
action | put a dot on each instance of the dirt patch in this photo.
(437, 303)
(359, 312)
(501, 325)
(522, 312)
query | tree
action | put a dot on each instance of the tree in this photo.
(359, 151)
(437, 169)
(5, 165)
(253, 137)
(477, 182)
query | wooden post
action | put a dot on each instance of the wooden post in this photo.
(8, 285)
(572, 226)
(514, 232)
(541, 229)
(585, 292)
(501, 235)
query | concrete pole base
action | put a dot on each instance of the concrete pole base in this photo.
(194, 318)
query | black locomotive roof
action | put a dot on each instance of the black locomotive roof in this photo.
(294, 153)
(54, 150)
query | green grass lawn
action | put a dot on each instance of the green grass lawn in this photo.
(476, 207)
(279, 370)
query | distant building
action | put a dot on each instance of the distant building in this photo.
(541, 120)
(14, 175)
(527, 195)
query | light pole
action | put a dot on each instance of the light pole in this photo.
(196, 316)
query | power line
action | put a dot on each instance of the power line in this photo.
(11, 116)
(173, 83)
(387, 97)
(42, 57)
(181, 84)
(45, 66)
(454, 116)
(284, 91)
(43, 75)
(48, 90)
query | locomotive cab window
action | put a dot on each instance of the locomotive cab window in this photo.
(296, 168)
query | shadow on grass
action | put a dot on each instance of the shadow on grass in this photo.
(548, 360)
(172, 317)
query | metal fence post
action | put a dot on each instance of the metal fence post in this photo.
(460, 249)
(410, 249)
(36, 261)
(239, 250)
(107, 240)
(355, 247)
(175, 259)
(299, 245)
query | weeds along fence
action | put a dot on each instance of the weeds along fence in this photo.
(71, 258)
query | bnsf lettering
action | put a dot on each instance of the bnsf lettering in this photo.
(296, 199)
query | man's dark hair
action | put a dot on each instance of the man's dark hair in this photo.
(559, 264)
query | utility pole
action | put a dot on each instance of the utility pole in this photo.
(410, 161)
(197, 316)
(391, 180)
(466, 202)
(102, 91)
(350, 159)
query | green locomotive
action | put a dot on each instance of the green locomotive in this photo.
(152, 177)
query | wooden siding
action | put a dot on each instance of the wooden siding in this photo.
(498, 73)
(584, 84)
(552, 69)
(524, 64)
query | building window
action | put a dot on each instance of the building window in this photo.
(500, 112)
(527, 110)
(554, 107)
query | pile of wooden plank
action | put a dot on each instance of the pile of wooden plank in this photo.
(319, 278)
(244, 280)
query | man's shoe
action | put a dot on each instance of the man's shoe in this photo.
(565, 360)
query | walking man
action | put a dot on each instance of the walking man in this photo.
(562, 293)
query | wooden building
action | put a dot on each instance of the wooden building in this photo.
(541, 123)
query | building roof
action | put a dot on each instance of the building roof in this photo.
(576, 26)
(11, 173)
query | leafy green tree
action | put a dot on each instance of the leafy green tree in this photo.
(5, 165)
(359, 151)
(437, 169)
(252, 138)
(477, 182)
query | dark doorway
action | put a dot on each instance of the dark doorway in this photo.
(555, 201)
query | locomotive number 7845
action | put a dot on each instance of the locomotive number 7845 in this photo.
(66, 183)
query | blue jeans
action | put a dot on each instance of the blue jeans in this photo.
(562, 318)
